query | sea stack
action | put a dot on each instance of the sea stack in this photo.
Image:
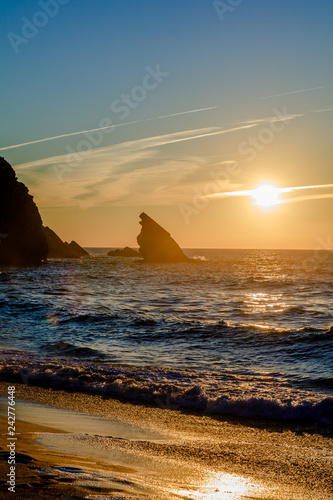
(58, 249)
(156, 244)
(22, 240)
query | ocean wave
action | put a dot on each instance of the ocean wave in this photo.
(263, 396)
(323, 382)
(142, 328)
(72, 350)
(314, 336)
(275, 409)
(294, 310)
(91, 318)
(237, 332)
(144, 322)
(56, 291)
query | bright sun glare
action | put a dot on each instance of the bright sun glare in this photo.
(266, 195)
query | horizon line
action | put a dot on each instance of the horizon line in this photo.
(216, 248)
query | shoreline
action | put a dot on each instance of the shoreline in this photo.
(39, 467)
(249, 397)
(266, 459)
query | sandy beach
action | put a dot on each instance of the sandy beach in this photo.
(72, 445)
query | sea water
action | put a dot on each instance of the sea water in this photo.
(237, 332)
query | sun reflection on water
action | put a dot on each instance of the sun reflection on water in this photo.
(52, 319)
(220, 486)
(264, 303)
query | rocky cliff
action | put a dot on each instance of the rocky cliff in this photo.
(22, 240)
(156, 244)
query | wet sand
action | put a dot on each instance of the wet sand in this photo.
(74, 445)
(41, 471)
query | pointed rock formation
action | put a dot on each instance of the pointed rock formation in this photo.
(22, 241)
(77, 249)
(156, 244)
(59, 249)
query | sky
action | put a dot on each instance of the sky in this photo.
(112, 108)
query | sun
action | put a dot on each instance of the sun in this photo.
(266, 195)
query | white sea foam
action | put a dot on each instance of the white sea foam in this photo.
(263, 396)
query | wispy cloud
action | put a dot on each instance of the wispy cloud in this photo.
(140, 144)
(321, 196)
(294, 92)
(251, 193)
(130, 172)
(298, 188)
(70, 134)
(324, 110)
(185, 112)
(271, 119)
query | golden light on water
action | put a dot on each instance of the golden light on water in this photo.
(52, 319)
(262, 303)
(266, 195)
(221, 485)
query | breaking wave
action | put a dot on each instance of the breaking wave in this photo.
(266, 396)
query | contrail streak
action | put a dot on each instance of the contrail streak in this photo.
(184, 112)
(297, 188)
(249, 192)
(104, 128)
(310, 197)
(293, 92)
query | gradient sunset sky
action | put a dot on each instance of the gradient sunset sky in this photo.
(205, 97)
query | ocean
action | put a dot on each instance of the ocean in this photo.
(247, 333)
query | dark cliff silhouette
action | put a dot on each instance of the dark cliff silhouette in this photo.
(156, 244)
(59, 249)
(125, 252)
(22, 240)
